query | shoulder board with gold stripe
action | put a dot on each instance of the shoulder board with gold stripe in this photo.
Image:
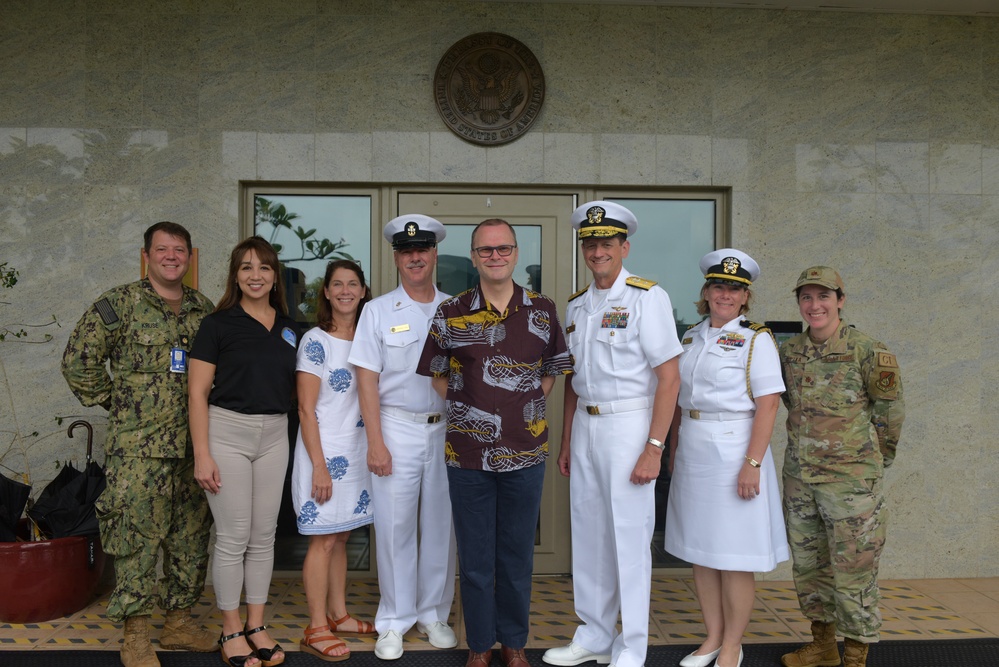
(691, 326)
(579, 293)
(640, 283)
(755, 326)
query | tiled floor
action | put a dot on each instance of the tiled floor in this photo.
(925, 609)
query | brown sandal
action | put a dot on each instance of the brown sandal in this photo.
(363, 627)
(323, 634)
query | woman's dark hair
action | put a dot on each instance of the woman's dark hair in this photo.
(323, 308)
(268, 256)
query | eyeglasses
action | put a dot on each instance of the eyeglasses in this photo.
(486, 251)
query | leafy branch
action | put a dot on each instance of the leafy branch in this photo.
(279, 217)
(17, 330)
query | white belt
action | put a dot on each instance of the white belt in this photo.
(717, 416)
(613, 407)
(418, 417)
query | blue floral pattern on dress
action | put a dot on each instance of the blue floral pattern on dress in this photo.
(337, 466)
(362, 503)
(339, 380)
(360, 423)
(315, 353)
(308, 514)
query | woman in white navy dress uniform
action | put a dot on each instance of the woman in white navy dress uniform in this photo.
(330, 481)
(724, 513)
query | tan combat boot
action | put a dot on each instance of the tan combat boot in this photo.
(854, 653)
(821, 651)
(182, 632)
(136, 651)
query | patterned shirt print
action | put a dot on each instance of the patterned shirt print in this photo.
(315, 353)
(339, 380)
(494, 363)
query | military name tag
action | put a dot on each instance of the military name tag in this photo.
(178, 360)
(399, 328)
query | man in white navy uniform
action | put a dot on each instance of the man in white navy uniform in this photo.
(404, 419)
(619, 402)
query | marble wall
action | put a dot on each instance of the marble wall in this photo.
(865, 141)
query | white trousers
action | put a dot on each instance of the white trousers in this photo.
(612, 524)
(415, 572)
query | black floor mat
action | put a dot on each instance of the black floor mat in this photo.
(927, 653)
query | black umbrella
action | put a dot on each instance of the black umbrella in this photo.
(13, 498)
(65, 507)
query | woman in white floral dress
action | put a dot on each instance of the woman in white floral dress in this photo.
(331, 485)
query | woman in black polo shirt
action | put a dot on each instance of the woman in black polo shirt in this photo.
(241, 383)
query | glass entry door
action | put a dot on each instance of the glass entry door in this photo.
(545, 264)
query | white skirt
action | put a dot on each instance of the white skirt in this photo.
(346, 457)
(707, 523)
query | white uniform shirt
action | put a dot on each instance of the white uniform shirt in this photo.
(389, 340)
(713, 368)
(617, 337)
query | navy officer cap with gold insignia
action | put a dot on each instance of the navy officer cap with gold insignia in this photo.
(729, 266)
(600, 219)
(414, 231)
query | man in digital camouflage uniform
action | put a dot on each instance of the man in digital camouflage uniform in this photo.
(845, 413)
(145, 329)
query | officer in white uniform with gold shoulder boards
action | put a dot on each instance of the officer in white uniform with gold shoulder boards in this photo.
(724, 510)
(404, 420)
(618, 406)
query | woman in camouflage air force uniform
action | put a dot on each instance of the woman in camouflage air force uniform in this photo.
(845, 412)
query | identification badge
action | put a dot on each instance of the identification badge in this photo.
(399, 328)
(178, 360)
(289, 336)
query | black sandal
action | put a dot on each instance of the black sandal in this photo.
(236, 660)
(266, 655)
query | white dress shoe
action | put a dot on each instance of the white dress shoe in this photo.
(438, 634)
(389, 646)
(573, 654)
(700, 660)
(738, 664)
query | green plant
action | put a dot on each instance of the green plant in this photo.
(279, 217)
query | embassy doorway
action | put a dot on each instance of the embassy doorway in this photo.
(542, 265)
(676, 228)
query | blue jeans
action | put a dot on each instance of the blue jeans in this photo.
(495, 522)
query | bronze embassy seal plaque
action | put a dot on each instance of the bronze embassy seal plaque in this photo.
(489, 88)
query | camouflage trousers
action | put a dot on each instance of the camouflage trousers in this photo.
(836, 531)
(152, 504)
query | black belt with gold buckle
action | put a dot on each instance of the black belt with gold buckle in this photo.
(433, 419)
